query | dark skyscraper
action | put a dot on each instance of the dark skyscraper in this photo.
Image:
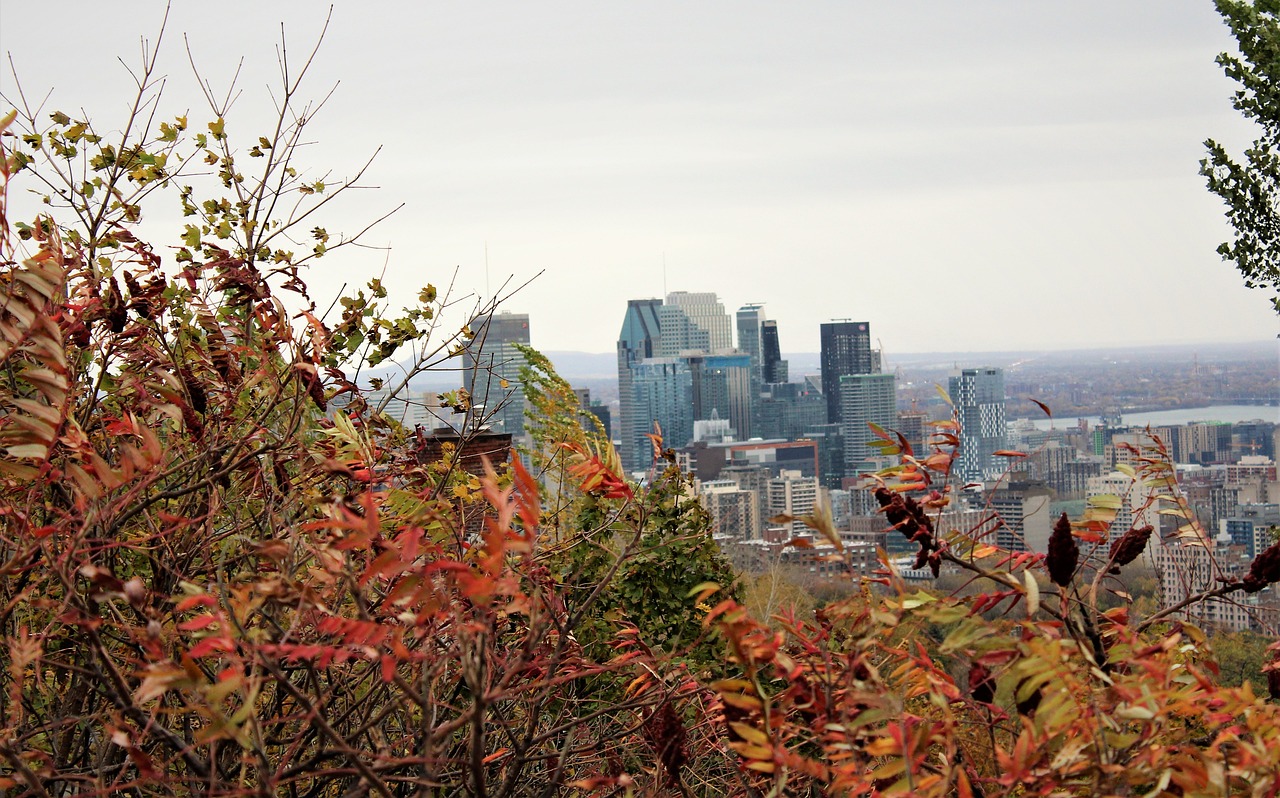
(771, 362)
(846, 350)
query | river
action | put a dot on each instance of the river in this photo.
(1226, 413)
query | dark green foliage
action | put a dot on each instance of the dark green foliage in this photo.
(1251, 187)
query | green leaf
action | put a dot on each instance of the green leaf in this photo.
(1106, 501)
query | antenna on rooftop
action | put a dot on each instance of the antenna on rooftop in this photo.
(664, 276)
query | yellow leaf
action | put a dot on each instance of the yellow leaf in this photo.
(1107, 501)
(750, 751)
(741, 701)
(750, 733)
(883, 746)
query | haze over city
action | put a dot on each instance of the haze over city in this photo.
(967, 177)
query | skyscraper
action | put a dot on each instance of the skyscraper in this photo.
(846, 350)
(491, 366)
(865, 399)
(978, 396)
(637, 341)
(773, 367)
(750, 342)
(662, 392)
(722, 388)
(750, 321)
(693, 321)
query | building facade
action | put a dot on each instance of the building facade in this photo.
(978, 396)
(492, 366)
(638, 341)
(693, 322)
(865, 399)
(846, 350)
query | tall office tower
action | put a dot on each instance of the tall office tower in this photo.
(662, 392)
(978, 396)
(491, 366)
(773, 367)
(722, 389)
(693, 321)
(865, 398)
(637, 341)
(751, 323)
(846, 349)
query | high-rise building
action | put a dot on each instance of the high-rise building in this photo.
(637, 341)
(722, 388)
(693, 321)
(865, 399)
(492, 365)
(773, 367)
(751, 323)
(662, 392)
(978, 396)
(846, 350)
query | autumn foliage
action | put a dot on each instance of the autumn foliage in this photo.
(223, 571)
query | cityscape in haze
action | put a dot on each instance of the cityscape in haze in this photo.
(765, 440)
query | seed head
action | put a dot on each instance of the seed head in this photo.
(1063, 554)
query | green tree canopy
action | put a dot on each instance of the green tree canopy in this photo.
(1251, 186)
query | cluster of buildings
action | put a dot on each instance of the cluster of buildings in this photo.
(765, 446)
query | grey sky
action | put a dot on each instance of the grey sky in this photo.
(965, 176)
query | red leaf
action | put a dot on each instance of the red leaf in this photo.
(198, 622)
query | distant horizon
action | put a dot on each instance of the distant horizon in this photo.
(1087, 348)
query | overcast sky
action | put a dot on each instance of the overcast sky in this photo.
(964, 176)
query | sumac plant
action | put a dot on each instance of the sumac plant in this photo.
(224, 572)
(903, 691)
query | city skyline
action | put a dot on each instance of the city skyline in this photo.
(831, 161)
